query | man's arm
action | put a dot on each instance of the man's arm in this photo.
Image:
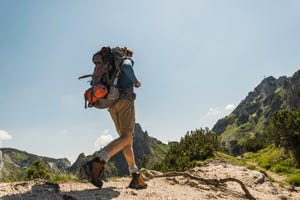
(127, 68)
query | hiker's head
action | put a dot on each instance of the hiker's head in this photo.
(128, 52)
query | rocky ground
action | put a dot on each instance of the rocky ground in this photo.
(173, 187)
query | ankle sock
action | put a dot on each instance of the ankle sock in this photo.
(103, 155)
(133, 169)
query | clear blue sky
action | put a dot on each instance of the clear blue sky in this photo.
(196, 61)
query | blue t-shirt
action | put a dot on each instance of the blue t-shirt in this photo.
(127, 77)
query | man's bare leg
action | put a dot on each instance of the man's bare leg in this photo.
(125, 139)
(129, 155)
(124, 142)
(119, 144)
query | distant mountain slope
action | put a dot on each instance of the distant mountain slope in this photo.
(253, 114)
(13, 161)
(147, 150)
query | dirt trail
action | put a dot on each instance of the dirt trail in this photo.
(177, 187)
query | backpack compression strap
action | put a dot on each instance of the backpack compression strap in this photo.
(85, 76)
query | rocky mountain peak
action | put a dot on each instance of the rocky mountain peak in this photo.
(75, 168)
(293, 91)
(296, 77)
(254, 113)
(269, 85)
(143, 146)
(141, 142)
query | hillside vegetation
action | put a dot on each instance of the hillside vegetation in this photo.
(250, 119)
(15, 163)
(282, 155)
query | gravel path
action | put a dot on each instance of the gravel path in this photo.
(158, 188)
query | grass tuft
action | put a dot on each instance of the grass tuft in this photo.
(294, 180)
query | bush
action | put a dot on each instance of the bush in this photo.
(194, 146)
(38, 170)
(253, 143)
(284, 129)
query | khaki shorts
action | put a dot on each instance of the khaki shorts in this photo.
(123, 115)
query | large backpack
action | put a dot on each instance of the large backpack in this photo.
(104, 91)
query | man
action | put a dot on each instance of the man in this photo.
(123, 115)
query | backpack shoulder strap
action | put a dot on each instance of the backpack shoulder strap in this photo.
(97, 75)
(117, 73)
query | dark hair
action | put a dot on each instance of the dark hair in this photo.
(128, 51)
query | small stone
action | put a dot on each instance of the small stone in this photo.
(204, 187)
(259, 178)
(146, 178)
(132, 192)
(175, 180)
(210, 196)
(149, 174)
(195, 169)
(286, 193)
(169, 178)
(156, 173)
(244, 169)
(282, 197)
(172, 183)
(193, 183)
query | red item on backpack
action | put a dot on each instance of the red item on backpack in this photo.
(95, 93)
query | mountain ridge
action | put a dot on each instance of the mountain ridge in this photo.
(253, 114)
(146, 149)
(13, 162)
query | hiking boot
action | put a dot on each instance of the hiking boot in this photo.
(94, 171)
(137, 181)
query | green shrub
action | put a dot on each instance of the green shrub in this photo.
(284, 129)
(194, 146)
(38, 170)
(253, 143)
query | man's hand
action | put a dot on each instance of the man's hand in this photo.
(137, 85)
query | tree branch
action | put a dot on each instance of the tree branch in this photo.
(215, 182)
